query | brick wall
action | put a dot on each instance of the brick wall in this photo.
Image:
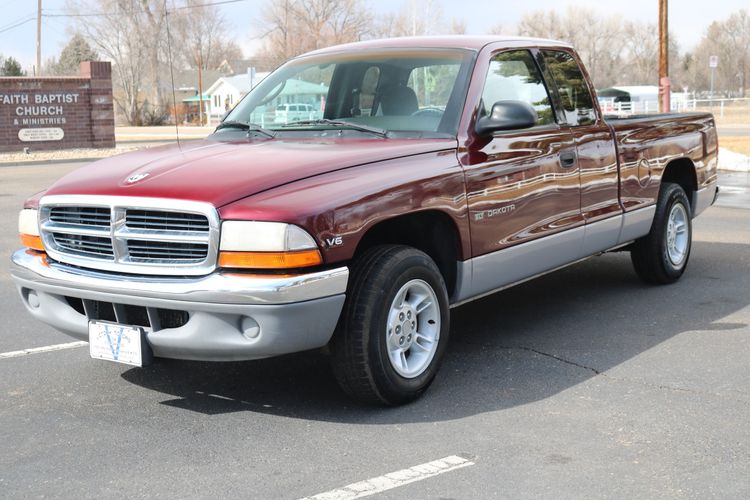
(48, 113)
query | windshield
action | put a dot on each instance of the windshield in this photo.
(417, 91)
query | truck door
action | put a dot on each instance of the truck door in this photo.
(522, 186)
(595, 149)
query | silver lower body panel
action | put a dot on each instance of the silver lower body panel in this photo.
(255, 322)
(704, 198)
(495, 271)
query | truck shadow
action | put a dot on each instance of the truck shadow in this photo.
(512, 348)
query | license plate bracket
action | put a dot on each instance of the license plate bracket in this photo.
(119, 343)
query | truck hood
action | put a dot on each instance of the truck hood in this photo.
(223, 172)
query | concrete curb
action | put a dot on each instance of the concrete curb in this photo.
(32, 163)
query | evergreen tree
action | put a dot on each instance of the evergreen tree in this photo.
(11, 67)
(75, 52)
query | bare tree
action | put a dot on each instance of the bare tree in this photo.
(598, 39)
(296, 26)
(119, 37)
(133, 35)
(417, 18)
(200, 34)
(729, 40)
(458, 26)
(738, 37)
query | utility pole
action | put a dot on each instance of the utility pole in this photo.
(200, 88)
(38, 69)
(664, 87)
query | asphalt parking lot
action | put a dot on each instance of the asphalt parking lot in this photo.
(583, 383)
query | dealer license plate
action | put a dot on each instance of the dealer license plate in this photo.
(113, 342)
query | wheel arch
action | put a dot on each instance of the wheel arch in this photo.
(431, 231)
(682, 171)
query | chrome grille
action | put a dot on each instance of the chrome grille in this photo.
(157, 250)
(80, 244)
(134, 235)
(86, 216)
(166, 221)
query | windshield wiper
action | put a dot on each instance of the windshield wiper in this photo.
(340, 123)
(250, 127)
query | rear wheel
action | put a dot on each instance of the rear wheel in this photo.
(394, 328)
(662, 255)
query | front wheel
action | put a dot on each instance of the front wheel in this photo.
(394, 328)
(662, 255)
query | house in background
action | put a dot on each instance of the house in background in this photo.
(230, 67)
(227, 91)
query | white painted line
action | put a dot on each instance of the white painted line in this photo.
(38, 350)
(394, 479)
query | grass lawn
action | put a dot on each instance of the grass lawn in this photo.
(736, 144)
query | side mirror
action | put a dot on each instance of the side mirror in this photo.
(507, 115)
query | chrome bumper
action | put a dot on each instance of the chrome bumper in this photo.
(231, 316)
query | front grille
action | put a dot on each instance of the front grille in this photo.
(91, 246)
(83, 216)
(153, 318)
(166, 221)
(133, 235)
(149, 251)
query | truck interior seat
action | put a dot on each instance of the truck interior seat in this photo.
(397, 100)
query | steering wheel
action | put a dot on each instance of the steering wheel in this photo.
(434, 112)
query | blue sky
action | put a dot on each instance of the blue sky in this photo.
(688, 18)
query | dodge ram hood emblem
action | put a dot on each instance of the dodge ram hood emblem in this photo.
(136, 177)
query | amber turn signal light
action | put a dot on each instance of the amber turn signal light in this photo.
(270, 260)
(33, 242)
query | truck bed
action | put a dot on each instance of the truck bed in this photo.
(647, 143)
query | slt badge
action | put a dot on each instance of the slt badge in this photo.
(136, 177)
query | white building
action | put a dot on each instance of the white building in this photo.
(227, 91)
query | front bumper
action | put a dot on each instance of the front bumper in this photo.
(231, 316)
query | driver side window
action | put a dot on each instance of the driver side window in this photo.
(513, 76)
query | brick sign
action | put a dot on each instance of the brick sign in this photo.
(58, 112)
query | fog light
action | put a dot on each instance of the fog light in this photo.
(32, 299)
(250, 328)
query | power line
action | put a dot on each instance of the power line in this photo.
(31, 14)
(19, 24)
(173, 9)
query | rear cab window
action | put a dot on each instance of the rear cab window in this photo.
(575, 96)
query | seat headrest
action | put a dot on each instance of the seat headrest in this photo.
(398, 100)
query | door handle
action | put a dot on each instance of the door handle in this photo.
(568, 159)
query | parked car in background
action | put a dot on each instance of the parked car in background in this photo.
(286, 113)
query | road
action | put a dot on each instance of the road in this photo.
(733, 131)
(583, 383)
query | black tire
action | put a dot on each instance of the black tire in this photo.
(359, 348)
(650, 254)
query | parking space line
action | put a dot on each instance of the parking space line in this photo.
(38, 350)
(394, 479)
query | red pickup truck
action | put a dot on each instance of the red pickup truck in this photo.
(430, 172)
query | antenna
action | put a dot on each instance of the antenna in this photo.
(171, 74)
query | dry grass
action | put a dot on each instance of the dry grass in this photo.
(731, 116)
(736, 144)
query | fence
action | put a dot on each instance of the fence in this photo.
(738, 108)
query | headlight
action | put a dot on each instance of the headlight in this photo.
(28, 228)
(266, 245)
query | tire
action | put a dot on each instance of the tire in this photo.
(387, 313)
(662, 255)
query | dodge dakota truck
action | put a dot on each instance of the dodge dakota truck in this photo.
(435, 171)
